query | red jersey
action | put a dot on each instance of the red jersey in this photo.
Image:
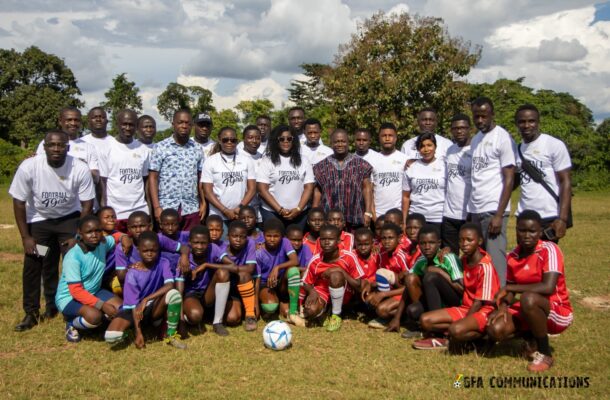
(312, 245)
(547, 257)
(397, 262)
(412, 258)
(404, 243)
(346, 242)
(347, 260)
(480, 281)
(369, 266)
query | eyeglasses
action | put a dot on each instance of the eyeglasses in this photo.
(228, 140)
(284, 139)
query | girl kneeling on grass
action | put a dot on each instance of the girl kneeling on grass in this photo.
(536, 273)
(468, 321)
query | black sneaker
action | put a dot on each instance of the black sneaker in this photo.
(28, 322)
(220, 329)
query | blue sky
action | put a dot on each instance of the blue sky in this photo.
(244, 49)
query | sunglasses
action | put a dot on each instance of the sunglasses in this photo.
(284, 139)
(228, 140)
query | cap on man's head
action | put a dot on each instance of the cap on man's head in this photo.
(203, 117)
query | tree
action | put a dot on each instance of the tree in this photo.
(177, 96)
(123, 94)
(222, 118)
(394, 66)
(603, 129)
(34, 86)
(309, 94)
(251, 109)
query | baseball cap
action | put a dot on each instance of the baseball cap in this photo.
(203, 117)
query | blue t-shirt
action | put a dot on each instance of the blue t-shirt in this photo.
(305, 256)
(266, 260)
(85, 268)
(142, 283)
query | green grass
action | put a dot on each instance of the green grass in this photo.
(356, 362)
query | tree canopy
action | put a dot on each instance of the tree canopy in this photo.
(392, 67)
(177, 96)
(122, 95)
(34, 86)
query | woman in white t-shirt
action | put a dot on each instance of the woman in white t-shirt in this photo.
(423, 184)
(228, 178)
(284, 179)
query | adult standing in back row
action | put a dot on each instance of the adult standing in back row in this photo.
(388, 169)
(427, 122)
(492, 176)
(175, 167)
(550, 156)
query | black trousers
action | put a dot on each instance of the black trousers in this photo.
(436, 292)
(50, 233)
(450, 234)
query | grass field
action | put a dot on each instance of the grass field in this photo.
(356, 362)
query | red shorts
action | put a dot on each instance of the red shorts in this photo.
(324, 293)
(560, 317)
(458, 313)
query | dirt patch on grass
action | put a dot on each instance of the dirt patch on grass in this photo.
(11, 257)
(6, 226)
(599, 303)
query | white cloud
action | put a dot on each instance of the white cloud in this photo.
(266, 88)
(561, 50)
(551, 43)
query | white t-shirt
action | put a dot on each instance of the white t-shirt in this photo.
(206, 148)
(458, 165)
(491, 152)
(261, 148)
(256, 159)
(229, 176)
(78, 149)
(51, 193)
(285, 181)
(426, 182)
(442, 144)
(124, 167)
(387, 181)
(370, 156)
(549, 155)
(315, 155)
(100, 145)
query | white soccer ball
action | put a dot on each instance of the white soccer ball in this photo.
(277, 335)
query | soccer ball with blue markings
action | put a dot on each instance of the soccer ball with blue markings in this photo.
(277, 335)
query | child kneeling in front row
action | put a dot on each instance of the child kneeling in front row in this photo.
(278, 278)
(149, 296)
(468, 321)
(332, 276)
(536, 273)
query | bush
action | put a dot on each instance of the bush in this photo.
(10, 158)
(591, 179)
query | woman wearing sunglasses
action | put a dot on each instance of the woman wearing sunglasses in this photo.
(284, 180)
(228, 178)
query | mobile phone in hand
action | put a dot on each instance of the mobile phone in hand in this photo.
(42, 250)
(549, 233)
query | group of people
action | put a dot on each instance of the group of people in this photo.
(189, 228)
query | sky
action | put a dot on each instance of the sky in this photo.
(250, 49)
